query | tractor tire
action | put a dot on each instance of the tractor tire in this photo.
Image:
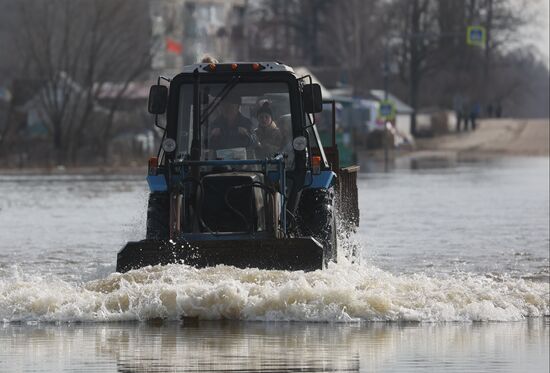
(158, 216)
(317, 218)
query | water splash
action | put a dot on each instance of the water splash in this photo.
(345, 292)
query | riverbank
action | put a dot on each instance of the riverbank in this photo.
(515, 137)
(76, 170)
(494, 138)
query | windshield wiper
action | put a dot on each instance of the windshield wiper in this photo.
(219, 98)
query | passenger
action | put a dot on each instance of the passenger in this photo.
(231, 129)
(268, 134)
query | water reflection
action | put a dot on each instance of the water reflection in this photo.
(194, 346)
(427, 160)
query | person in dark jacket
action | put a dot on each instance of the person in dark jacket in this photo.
(498, 110)
(474, 114)
(231, 129)
(268, 135)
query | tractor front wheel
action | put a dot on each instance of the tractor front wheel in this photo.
(317, 218)
(158, 216)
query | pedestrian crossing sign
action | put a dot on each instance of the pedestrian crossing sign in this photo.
(476, 36)
(386, 110)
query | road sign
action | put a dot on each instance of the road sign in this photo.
(386, 110)
(476, 36)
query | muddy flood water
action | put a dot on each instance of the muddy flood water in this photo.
(451, 274)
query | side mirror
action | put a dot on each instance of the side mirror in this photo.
(313, 101)
(158, 98)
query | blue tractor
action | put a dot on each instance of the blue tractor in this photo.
(241, 177)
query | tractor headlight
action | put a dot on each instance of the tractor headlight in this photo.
(299, 143)
(169, 145)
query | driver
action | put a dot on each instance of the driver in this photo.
(231, 129)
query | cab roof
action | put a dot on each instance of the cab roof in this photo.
(266, 66)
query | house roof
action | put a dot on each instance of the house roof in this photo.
(132, 90)
(400, 106)
(303, 71)
(27, 93)
(344, 94)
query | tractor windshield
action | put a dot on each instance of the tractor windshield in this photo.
(237, 120)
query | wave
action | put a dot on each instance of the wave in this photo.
(344, 292)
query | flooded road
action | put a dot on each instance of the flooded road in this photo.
(489, 217)
(440, 248)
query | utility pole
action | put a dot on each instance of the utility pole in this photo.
(487, 62)
(488, 26)
(386, 72)
(414, 63)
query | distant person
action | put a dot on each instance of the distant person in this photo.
(466, 117)
(231, 129)
(269, 136)
(458, 107)
(489, 110)
(474, 114)
(498, 110)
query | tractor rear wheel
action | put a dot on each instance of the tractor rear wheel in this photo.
(158, 216)
(317, 218)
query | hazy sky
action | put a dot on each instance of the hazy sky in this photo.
(537, 32)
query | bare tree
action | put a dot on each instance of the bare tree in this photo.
(354, 39)
(433, 44)
(418, 37)
(288, 30)
(74, 47)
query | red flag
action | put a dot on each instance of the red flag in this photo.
(173, 46)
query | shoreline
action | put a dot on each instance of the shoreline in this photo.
(75, 170)
(494, 138)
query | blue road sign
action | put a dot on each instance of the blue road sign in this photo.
(476, 35)
(386, 110)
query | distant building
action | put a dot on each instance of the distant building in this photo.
(183, 31)
(403, 118)
(131, 133)
(360, 113)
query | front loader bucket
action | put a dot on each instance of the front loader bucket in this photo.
(291, 254)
